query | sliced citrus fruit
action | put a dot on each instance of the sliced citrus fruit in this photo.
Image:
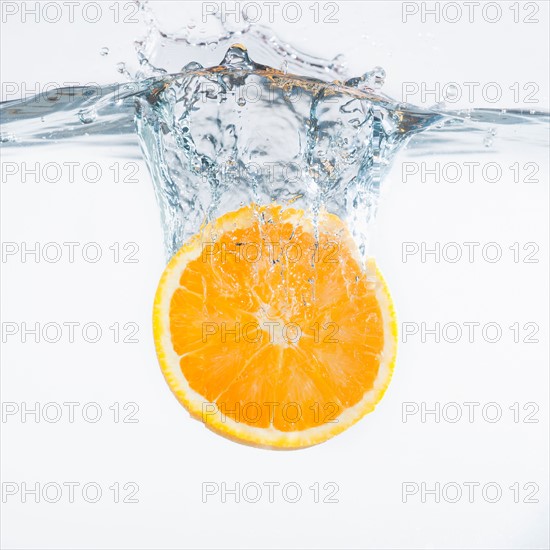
(271, 330)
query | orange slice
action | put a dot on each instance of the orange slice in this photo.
(270, 329)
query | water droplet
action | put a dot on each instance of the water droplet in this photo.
(375, 78)
(451, 92)
(237, 56)
(372, 80)
(121, 67)
(488, 141)
(104, 51)
(241, 101)
(192, 66)
(337, 65)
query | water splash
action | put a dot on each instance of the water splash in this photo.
(220, 134)
(240, 132)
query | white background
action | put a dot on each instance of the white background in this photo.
(168, 455)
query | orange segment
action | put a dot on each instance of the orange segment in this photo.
(270, 329)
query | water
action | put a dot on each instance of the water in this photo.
(219, 130)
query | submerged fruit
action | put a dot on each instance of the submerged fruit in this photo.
(270, 329)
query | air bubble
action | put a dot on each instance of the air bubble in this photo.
(7, 138)
(87, 117)
(241, 101)
(287, 93)
(104, 51)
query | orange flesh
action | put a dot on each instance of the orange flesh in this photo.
(275, 374)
